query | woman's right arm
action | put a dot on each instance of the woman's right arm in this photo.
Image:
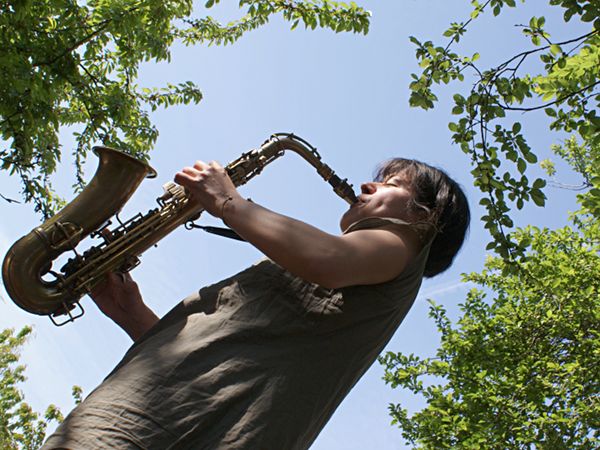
(370, 256)
(119, 298)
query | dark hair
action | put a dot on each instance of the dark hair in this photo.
(443, 203)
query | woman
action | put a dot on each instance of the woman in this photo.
(262, 359)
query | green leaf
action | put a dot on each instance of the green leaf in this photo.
(530, 157)
(459, 99)
(538, 197)
(555, 49)
(516, 128)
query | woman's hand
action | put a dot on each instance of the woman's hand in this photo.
(208, 185)
(119, 298)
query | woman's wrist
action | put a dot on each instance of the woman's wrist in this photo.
(230, 207)
(136, 323)
(228, 199)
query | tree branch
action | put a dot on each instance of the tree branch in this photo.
(530, 52)
(77, 44)
(559, 100)
(9, 200)
(103, 25)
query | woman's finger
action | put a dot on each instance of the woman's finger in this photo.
(201, 165)
(184, 178)
(126, 276)
(193, 172)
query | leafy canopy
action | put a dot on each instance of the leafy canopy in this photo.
(487, 128)
(20, 426)
(519, 368)
(67, 63)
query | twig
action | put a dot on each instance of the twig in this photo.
(9, 200)
(558, 100)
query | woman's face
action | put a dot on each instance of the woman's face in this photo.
(390, 198)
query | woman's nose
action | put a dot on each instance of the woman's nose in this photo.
(368, 188)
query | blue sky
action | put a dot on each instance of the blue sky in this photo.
(348, 96)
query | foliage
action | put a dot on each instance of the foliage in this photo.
(566, 88)
(520, 367)
(69, 63)
(20, 426)
(520, 370)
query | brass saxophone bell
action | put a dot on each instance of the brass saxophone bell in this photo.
(116, 179)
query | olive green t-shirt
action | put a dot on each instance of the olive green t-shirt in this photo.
(260, 360)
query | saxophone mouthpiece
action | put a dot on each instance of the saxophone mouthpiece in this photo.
(343, 189)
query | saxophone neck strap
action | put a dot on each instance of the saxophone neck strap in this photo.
(220, 231)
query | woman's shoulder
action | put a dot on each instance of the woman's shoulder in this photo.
(422, 230)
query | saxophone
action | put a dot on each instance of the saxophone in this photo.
(117, 177)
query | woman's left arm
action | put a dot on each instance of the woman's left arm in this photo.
(361, 257)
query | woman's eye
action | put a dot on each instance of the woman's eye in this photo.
(391, 184)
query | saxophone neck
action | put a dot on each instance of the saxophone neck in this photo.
(279, 142)
(251, 163)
